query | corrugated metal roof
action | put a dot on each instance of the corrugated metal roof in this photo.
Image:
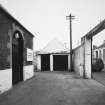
(54, 46)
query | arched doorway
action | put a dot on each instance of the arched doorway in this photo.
(17, 57)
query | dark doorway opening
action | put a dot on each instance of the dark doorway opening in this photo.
(60, 62)
(17, 58)
(45, 62)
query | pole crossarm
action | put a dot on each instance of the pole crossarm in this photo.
(70, 17)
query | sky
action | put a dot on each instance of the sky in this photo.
(46, 19)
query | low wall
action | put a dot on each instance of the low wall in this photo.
(5, 80)
(28, 72)
(6, 77)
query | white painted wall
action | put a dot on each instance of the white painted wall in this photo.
(78, 62)
(5, 80)
(38, 62)
(82, 59)
(6, 77)
(51, 62)
(88, 58)
(28, 72)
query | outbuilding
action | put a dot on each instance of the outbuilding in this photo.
(16, 51)
(54, 57)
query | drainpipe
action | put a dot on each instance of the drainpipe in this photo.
(91, 57)
(84, 76)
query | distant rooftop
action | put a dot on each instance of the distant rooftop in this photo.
(100, 46)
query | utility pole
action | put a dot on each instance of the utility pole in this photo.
(70, 17)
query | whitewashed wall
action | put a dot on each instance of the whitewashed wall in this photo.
(78, 60)
(6, 77)
(51, 62)
(28, 72)
(38, 62)
(88, 58)
(82, 59)
(5, 80)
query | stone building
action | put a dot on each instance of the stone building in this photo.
(16, 51)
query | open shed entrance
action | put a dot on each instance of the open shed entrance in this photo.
(60, 62)
(17, 58)
(45, 62)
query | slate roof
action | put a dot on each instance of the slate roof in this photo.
(11, 17)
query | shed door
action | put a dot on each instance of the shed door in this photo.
(60, 62)
(45, 62)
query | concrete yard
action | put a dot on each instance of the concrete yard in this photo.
(99, 76)
(55, 88)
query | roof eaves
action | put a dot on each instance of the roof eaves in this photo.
(7, 13)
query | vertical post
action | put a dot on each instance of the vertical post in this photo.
(39, 62)
(87, 57)
(51, 62)
(91, 56)
(68, 62)
(70, 18)
(71, 43)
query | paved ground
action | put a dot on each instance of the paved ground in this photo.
(55, 89)
(99, 76)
